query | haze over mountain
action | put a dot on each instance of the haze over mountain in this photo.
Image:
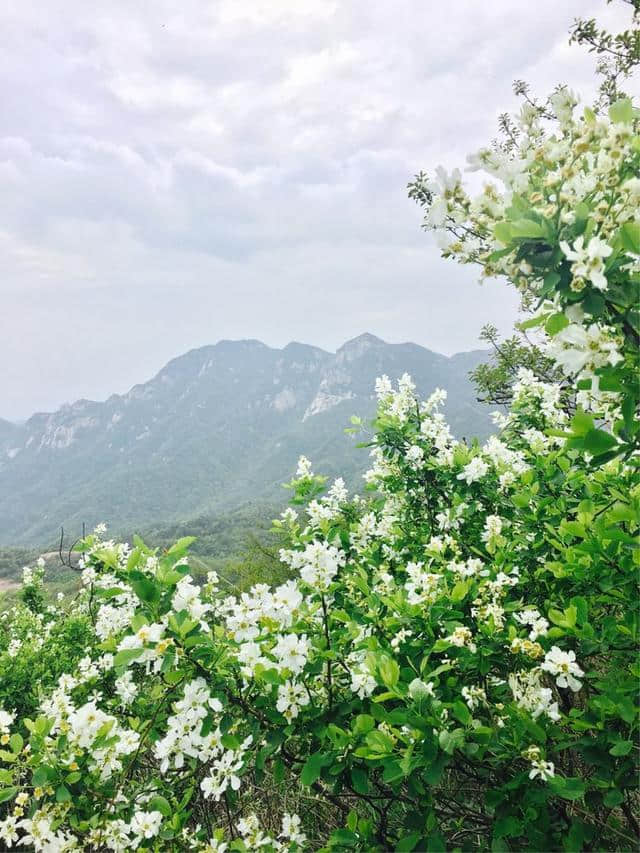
(216, 427)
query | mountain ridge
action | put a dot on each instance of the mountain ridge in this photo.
(216, 426)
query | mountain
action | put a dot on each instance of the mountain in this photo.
(215, 428)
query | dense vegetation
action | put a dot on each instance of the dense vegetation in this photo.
(239, 545)
(452, 661)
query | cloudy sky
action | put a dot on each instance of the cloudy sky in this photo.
(176, 173)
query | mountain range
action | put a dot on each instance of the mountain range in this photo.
(216, 428)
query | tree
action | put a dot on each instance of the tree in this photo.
(618, 54)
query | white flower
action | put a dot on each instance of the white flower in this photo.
(474, 470)
(214, 845)
(384, 388)
(224, 772)
(563, 665)
(6, 720)
(146, 824)
(415, 456)
(249, 654)
(291, 697)
(187, 597)
(530, 616)
(304, 468)
(588, 261)
(421, 586)
(492, 528)
(544, 769)
(473, 696)
(126, 688)
(252, 835)
(291, 652)
(291, 829)
(462, 636)
(318, 563)
(289, 515)
(362, 682)
(562, 102)
(578, 347)
(13, 648)
(8, 833)
(530, 695)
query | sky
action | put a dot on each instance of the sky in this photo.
(176, 173)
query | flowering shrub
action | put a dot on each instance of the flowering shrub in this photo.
(452, 663)
(564, 227)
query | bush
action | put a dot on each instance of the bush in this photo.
(454, 664)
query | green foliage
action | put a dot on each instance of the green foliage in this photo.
(452, 662)
(618, 53)
(456, 660)
(494, 379)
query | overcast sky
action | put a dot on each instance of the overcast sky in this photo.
(176, 173)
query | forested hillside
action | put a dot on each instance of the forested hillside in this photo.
(217, 427)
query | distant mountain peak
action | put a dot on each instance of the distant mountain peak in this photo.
(365, 340)
(357, 347)
(297, 348)
(242, 343)
(217, 426)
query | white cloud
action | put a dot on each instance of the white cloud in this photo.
(174, 175)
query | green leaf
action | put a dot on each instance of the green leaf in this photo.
(502, 232)
(581, 423)
(363, 723)
(344, 838)
(389, 671)
(433, 772)
(63, 794)
(179, 547)
(436, 843)
(613, 798)
(621, 112)
(460, 590)
(556, 323)
(313, 767)
(461, 713)
(359, 780)
(7, 794)
(379, 742)
(146, 590)
(569, 787)
(593, 303)
(550, 282)
(597, 442)
(622, 747)
(630, 237)
(449, 741)
(40, 776)
(507, 827)
(526, 229)
(159, 804)
(16, 742)
(125, 657)
(408, 843)
(532, 322)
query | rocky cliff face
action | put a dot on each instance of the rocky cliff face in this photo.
(215, 427)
